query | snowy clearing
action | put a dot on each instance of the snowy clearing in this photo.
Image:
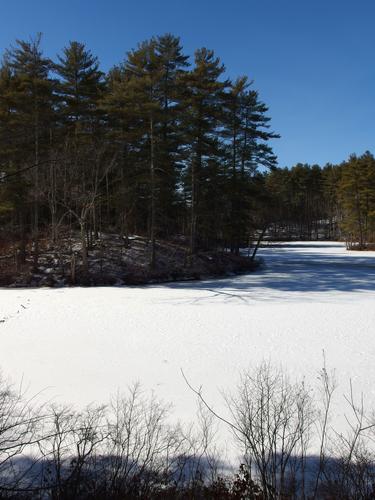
(81, 345)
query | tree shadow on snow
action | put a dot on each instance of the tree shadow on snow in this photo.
(286, 275)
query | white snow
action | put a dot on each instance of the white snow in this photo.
(81, 345)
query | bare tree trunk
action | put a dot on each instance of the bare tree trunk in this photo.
(36, 192)
(152, 172)
(259, 241)
(193, 222)
(84, 249)
(193, 211)
(53, 195)
(73, 269)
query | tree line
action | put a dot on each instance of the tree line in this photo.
(330, 202)
(157, 146)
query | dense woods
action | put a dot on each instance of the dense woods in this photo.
(153, 147)
(162, 147)
(333, 202)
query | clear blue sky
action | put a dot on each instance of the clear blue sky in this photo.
(312, 60)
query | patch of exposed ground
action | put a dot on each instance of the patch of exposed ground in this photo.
(112, 260)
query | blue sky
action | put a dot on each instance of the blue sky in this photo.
(311, 60)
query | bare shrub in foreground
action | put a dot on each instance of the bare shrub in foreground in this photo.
(139, 441)
(352, 474)
(130, 449)
(272, 419)
(19, 432)
(68, 445)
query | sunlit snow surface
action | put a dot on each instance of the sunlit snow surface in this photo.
(82, 345)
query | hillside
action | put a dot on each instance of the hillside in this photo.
(112, 260)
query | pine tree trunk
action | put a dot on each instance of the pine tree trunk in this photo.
(85, 267)
(36, 188)
(152, 172)
(193, 209)
(195, 172)
(259, 241)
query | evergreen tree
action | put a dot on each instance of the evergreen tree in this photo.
(245, 130)
(203, 101)
(82, 154)
(170, 154)
(144, 73)
(81, 85)
(356, 192)
(31, 94)
(122, 133)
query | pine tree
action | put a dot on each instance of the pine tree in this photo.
(246, 133)
(331, 175)
(144, 73)
(83, 161)
(203, 100)
(81, 85)
(170, 151)
(122, 133)
(356, 192)
(31, 94)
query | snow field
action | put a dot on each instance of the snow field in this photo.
(82, 345)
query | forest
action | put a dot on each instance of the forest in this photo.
(161, 146)
(159, 167)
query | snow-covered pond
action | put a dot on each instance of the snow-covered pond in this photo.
(81, 345)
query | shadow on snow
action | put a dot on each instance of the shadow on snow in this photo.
(285, 274)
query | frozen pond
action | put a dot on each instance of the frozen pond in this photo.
(82, 345)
